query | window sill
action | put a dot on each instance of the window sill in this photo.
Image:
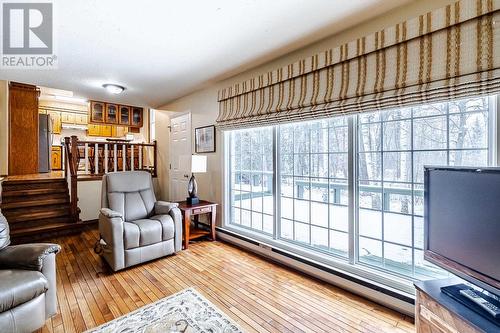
(388, 284)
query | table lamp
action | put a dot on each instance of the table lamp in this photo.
(198, 165)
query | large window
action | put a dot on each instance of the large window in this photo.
(313, 183)
(393, 148)
(351, 187)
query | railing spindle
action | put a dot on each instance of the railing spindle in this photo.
(132, 164)
(105, 158)
(96, 159)
(115, 157)
(140, 157)
(124, 157)
(86, 156)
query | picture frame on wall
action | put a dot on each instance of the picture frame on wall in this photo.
(204, 138)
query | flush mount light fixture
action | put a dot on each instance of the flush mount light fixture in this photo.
(113, 88)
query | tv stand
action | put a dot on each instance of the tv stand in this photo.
(437, 312)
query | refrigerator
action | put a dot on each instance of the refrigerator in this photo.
(44, 142)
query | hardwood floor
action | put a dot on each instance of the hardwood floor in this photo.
(259, 295)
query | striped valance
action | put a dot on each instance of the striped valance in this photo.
(452, 52)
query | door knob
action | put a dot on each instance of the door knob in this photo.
(186, 176)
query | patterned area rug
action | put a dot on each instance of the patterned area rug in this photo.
(187, 311)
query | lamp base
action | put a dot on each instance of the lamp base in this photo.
(192, 201)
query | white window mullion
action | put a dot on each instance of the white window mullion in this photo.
(352, 149)
(276, 182)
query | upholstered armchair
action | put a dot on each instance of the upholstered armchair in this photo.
(27, 283)
(134, 227)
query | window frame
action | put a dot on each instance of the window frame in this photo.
(351, 265)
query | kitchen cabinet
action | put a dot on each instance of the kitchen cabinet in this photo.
(111, 115)
(81, 119)
(136, 120)
(96, 112)
(56, 158)
(124, 115)
(106, 130)
(119, 131)
(67, 118)
(56, 121)
(94, 130)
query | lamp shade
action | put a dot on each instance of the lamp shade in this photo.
(198, 163)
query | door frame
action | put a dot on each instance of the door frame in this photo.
(177, 115)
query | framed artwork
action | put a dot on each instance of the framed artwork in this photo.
(204, 138)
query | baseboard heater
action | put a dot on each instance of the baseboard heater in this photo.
(323, 268)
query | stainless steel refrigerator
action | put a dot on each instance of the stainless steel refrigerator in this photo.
(44, 142)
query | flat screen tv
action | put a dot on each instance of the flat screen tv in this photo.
(462, 223)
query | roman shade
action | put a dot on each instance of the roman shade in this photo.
(449, 53)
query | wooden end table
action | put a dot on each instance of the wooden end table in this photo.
(188, 211)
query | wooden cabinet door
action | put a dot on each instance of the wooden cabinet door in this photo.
(111, 115)
(94, 130)
(96, 112)
(56, 121)
(56, 158)
(81, 119)
(68, 118)
(106, 130)
(124, 118)
(136, 120)
(119, 131)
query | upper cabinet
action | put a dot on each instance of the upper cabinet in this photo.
(124, 115)
(114, 114)
(136, 117)
(96, 112)
(111, 114)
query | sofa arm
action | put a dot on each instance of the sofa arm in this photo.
(111, 230)
(27, 256)
(164, 207)
(176, 215)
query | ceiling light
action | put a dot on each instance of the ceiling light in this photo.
(113, 88)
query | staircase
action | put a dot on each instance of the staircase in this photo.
(37, 208)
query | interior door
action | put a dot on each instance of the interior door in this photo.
(180, 156)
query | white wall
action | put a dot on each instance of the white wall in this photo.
(204, 107)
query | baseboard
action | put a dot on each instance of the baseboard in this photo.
(379, 294)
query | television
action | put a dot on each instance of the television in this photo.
(462, 223)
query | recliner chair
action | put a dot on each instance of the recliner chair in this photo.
(134, 227)
(27, 283)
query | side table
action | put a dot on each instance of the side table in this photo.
(188, 211)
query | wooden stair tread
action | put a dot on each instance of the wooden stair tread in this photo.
(53, 227)
(31, 214)
(28, 192)
(34, 203)
(9, 182)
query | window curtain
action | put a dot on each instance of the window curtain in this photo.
(449, 53)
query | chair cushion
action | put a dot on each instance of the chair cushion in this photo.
(167, 224)
(130, 193)
(20, 286)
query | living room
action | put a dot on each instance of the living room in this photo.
(282, 166)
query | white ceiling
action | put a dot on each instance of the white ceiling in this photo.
(161, 50)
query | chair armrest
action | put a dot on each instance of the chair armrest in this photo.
(110, 213)
(111, 228)
(164, 208)
(27, 256)
(176, 215)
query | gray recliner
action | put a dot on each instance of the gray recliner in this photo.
(134, 227)
(27, 283)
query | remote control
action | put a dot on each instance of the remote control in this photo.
(476, 298)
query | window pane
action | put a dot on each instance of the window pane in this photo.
(338, 165)
(301, 232)
(319, 237)
(339, 242)
(391, 175)
(251, 185)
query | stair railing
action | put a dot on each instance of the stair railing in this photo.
(88, 160)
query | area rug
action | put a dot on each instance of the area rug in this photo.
(186, 312)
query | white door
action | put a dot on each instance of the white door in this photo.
(180, 156)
